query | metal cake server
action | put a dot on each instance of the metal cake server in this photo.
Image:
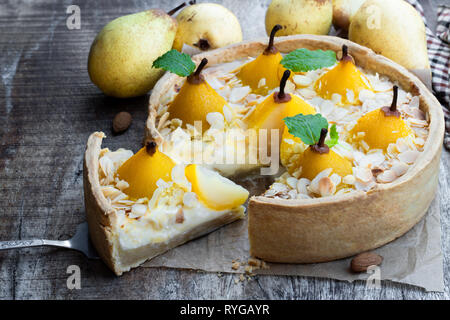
(79, 242)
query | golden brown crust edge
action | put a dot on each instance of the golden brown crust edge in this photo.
(99, 213)
(301, 231)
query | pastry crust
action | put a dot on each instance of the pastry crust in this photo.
(101, 219)
(324, 229)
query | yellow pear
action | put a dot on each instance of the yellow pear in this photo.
(392, 28)
(381, 127)
(121, 56)
(300, 16)
(213, 190)
(343, 12)
(319, 157)
(261, 74)
(144, 169)
(344, 77)
(207, 26)
(270, 113)
(196, 99)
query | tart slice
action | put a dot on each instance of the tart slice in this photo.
(162, 205)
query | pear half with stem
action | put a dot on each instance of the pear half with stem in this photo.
(344, 79)
(270, 113)
(319, 157)
(381, 127)
(196, 99)
(144, 169)
(261, 74)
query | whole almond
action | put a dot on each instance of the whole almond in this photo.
(362, 261)
(121, 122)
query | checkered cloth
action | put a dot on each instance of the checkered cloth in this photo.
(439, 55)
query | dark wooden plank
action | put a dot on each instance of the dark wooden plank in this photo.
(48, 109)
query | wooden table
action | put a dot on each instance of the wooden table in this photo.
(48, 109)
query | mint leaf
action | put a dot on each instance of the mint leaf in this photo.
(176, 62)
(334, 137)
(302, 60)
(306, 127)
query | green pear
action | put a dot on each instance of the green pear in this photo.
(392, 28)
(121, 56)
(299, 16)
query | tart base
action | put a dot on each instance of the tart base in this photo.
(101, 219)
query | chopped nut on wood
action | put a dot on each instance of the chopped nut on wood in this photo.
(362, 261)
(235, 266)
(121, 122)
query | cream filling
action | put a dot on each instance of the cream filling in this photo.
(172, 210)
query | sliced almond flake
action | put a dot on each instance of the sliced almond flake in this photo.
(137, 210)
(336, 98)
(326, 108)
(302, 185)
(279, 187)
(307, 93)
(400, 168)
(302, 196)
(297, 173)
(292, 193)
(302, 81)
(365, 186)
(122, 185)
(326, 187)
(290, 87)
(216, 120)
(363, 174)
(121, 196)
(228, 114)
(238, 94)
(365, 94)
(350, 96)
(314, 186)
(336, 179)
(387, 176)
(419, 141)
(262, 82)
(408, 156)
(413, 122)
(291, 182)
(349, 179)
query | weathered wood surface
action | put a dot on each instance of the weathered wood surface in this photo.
(48, 108)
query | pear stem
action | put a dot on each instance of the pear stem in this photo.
(172, 12)
(321, 147)
(393, 107)
(323, 134)
(344, 51)
(345, 55)
(281, 96)
(150, 147)
(196, 77)
(200, 67)
(392, 110)
(283, 81)
(270, 48)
